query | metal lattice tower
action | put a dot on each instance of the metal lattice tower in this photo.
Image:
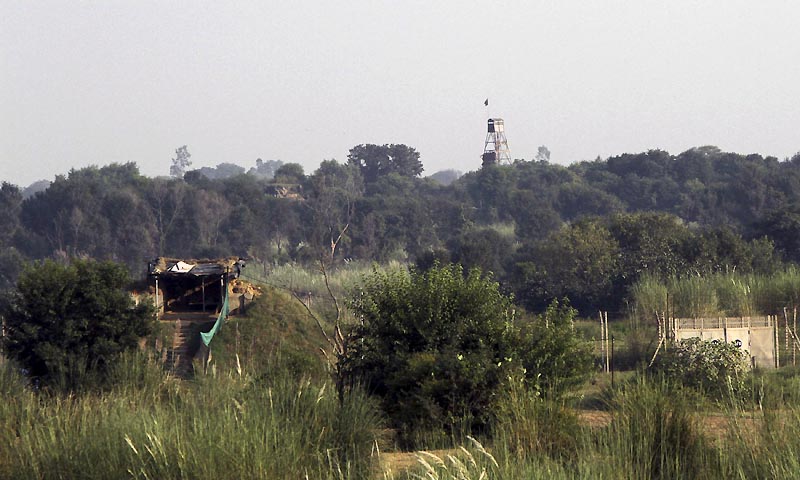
(496, 148)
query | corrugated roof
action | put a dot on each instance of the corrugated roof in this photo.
(207, 267)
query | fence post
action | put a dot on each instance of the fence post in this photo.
(611, 365)
(786, 329)
(777, 345)
(602, 342)
(608, 356)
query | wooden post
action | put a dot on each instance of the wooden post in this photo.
(777, 344)
(221, 291)
(158, 309)
(661, 337)
(602, 342)
(660, 333)
(610, 365)
(786, 329)
(608, 351)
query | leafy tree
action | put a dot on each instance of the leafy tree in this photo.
(331, 202)
(221, 171)
(67, 322)
(166, 201)
(181, 162)
(132, 234)
(209, 212)
(783, 227)
(10, 205)
(35, 187)
(542, 154)
(721, 249)
(11, 264)
(434, 346)
(485, 249)
(534, 216)
(489, 189)
(579, 261)
(265, 170)
(375, 161)
(446, 177)
(650, 242)
(282, 225)
(78, 215)
(438, 347)
(576, 200)
(290, 173)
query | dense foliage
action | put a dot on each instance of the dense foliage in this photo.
(554, 357)
(434, 346)
(587, 231)
(438, 346)
(713, 367)
(67, 324)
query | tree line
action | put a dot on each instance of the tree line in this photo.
(585, 231)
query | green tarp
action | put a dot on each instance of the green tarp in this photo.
(223, 313)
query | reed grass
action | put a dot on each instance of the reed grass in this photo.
(720, 294)
(307, 283)
(309, 280)
(224, 425)
(230, 424)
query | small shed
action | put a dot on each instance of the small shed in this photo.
(189, 285)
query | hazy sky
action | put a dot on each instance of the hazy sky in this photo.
(94, 82)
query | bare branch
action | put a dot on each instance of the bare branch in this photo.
(323, 269)
(334, 244)
(315, 317)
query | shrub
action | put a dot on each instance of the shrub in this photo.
(438, 347)
(434, 346)
(67, 324)
(554, 357)
(713, 367)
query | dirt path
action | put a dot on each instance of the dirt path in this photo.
(394, 464)
(716, 426)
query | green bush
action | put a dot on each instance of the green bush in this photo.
(439, 346)
(552, 354)
(67, 324)
(434, 346)
(715, 368)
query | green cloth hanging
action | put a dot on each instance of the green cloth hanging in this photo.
(223, 313)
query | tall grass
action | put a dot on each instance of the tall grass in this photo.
(225, 425)
(229, 424)
(653, 434)
(309, 279)
(530, 426)
(650, 297)
(307, 283)
(693, 297)
(721, 294)
(764, 445)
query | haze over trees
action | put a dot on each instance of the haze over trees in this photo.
(585, 231)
